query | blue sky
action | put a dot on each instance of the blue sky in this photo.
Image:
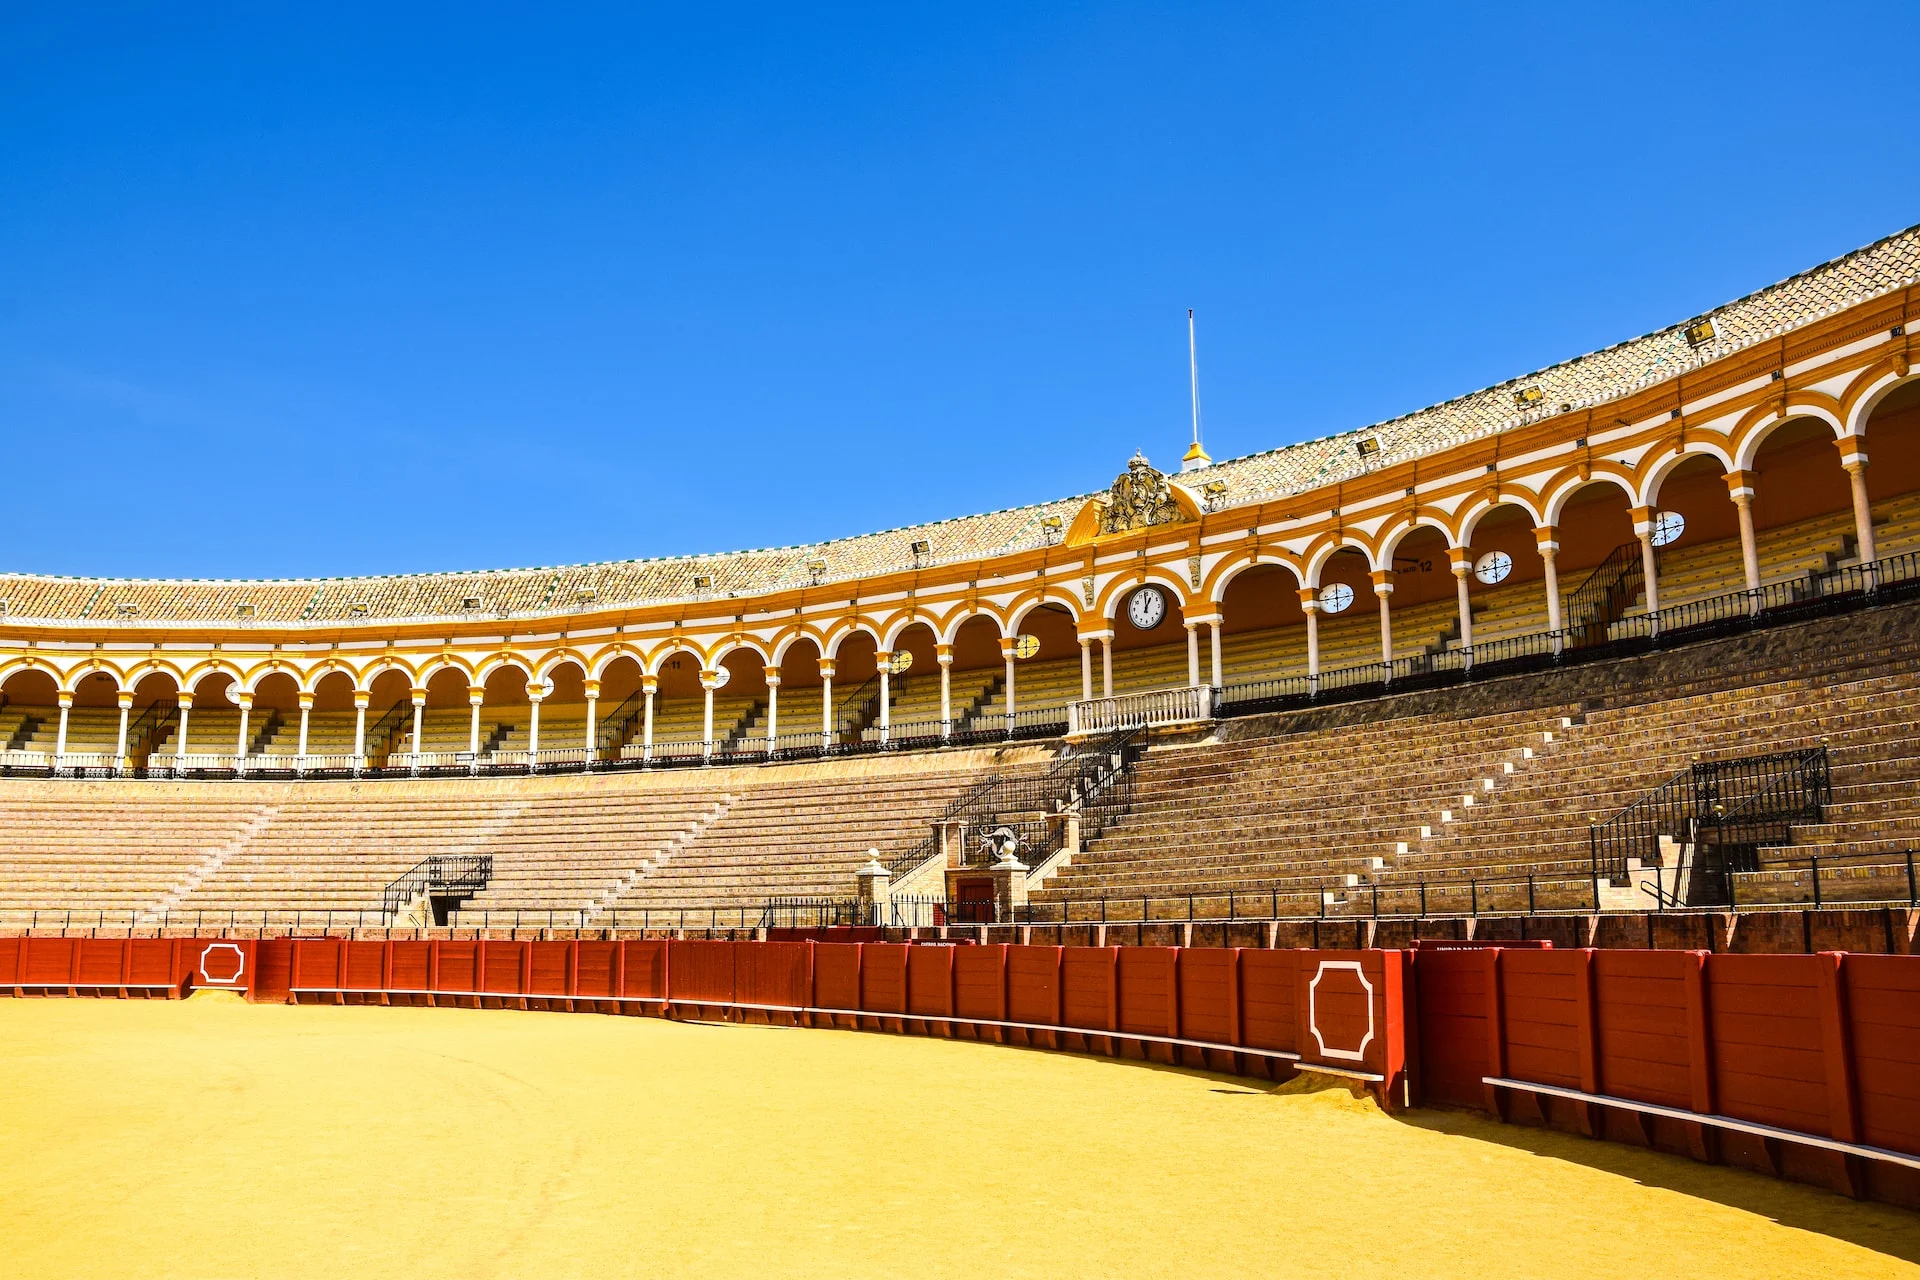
(329, 289)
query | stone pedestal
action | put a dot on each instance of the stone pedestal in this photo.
(872, 888)
(1009, 887)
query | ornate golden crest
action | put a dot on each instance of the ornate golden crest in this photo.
(1140, 497)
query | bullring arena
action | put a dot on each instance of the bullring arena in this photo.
(1481, 841)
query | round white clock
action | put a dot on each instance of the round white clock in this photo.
(1667, 528)
(1147, 608)
(1493, 567)
(1335, 597)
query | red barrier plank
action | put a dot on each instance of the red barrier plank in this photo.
(593, 968)
(1340, 1009)
(702, 970)
(50, 960)
(1210, 994)
(1453, 1026)
(1269, 994)
(883, 977)
(365, 965)
(1768, 1050)
(1088, 988)
(1541, 1006)
(640, 970)
(1033, 984)
(1642, 1011)
(1148, 996)
(272, 973)
(930, 980)
(410, 964)
(101, 960)
(316, 962)
(836, 975)
(150, 960)
(503, 968)
(980, 982)
(456, 966)
(547, 965)
(1883, 1010)
(772, 973)
(10, 966)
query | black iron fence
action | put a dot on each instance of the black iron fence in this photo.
(444, 875)
(1732, 807)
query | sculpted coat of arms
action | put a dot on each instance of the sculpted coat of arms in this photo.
(1140, 497)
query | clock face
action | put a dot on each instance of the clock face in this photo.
(1493, 567)
(1147, 608)
(1335, 597)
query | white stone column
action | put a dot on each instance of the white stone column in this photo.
(943, 654)
(1086, 668)
(1310, 605)
(306, 715)
(419, 698)
(534, 698)
(180, 739)
(1545, 539)
(592, 692)
(1006, 652)
(1193, 652)
(244, 701)
(120, 752)
(1383, 588)
(1213, 629)
(1649, 569)
(1106, 665)
(1740, 489)
(883, 662)
(826, 703)
(475, 696)
(709, 681)
(1854, 459)
(60, 742)
(1461, 562)
(773, 704)
(649, 687)
(360, 699)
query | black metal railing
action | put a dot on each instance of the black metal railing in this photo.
(1607, 591)
(1598, 637)
(1731, 805)
(447, 875)
(617, 726)
(386, 732)
(1093, 777)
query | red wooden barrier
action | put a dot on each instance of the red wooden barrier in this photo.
(930, 981)
(1208, 994)
(1764, 1050)
(883, 977)
(980, 983)
(1033, 985)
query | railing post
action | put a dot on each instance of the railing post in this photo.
(1913, 898)
(1815, 861)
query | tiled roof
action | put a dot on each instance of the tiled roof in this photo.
(1617, 371)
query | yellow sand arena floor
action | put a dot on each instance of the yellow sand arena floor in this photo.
(217, 1139)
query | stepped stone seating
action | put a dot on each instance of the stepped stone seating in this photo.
(1504, 796)
(1699, 571)
(682, 721)
(916, 699)
(1350, 639)
(91, 847)
(1291, 812)
(1506, 611)
(1896, 526)
(289, 853)
(803, 838)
